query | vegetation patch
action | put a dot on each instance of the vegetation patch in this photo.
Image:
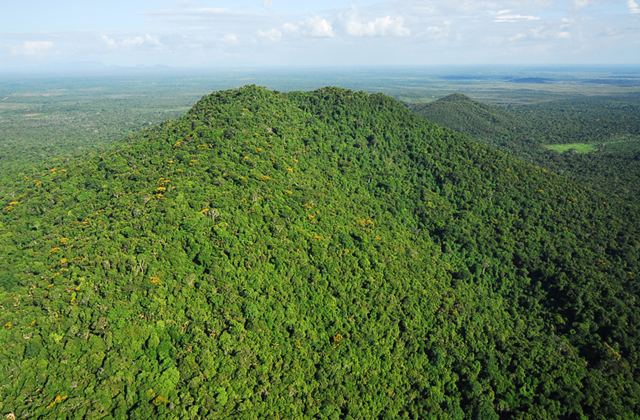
(577, 147)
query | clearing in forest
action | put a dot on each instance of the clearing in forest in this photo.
(579, 147)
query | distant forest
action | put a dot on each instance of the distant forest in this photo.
(600, 136)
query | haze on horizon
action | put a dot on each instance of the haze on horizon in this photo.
(223, 33)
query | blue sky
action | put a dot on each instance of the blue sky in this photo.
(255, 33)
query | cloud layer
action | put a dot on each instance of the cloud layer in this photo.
(37, 49)
(146, 41)
(394, 32)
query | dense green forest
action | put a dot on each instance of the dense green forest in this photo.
(323, 254)
(607, 128)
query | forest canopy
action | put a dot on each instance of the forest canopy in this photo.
(593, 140)
(323, 254)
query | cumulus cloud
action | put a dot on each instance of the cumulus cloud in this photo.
(230, 39)
(383, 31)
(350, 23)
(109, 41)
(434, 30)
(318, 27)
(272, 35)
(34, 48)
(314, 26)
(384, 26)
(290, 28)
(146, 41)
(505, 16)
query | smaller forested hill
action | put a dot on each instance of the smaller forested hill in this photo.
(475, 119)
(610, 127)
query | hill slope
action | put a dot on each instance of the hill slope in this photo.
(614, 166)
(475, 119)
(323, 254)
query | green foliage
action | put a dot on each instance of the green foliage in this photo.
(320, 254)
(604, 127)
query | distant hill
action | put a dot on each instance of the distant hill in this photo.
(610, 126)
(322, 254)
(483, 122)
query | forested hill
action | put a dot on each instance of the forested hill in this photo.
(482, 122)
(610, 127)
(322, 254)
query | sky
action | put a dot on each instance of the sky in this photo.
(285, 33)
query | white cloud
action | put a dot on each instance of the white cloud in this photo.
(350, 23)
(34, 48)
(385, 26)
(147, 41)
(111, 43)
(318, 27)
(314, 26)
(436, 32)
(504, 16)
(290, 27)
(230, 39)
(272, 35)
(398, 31)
